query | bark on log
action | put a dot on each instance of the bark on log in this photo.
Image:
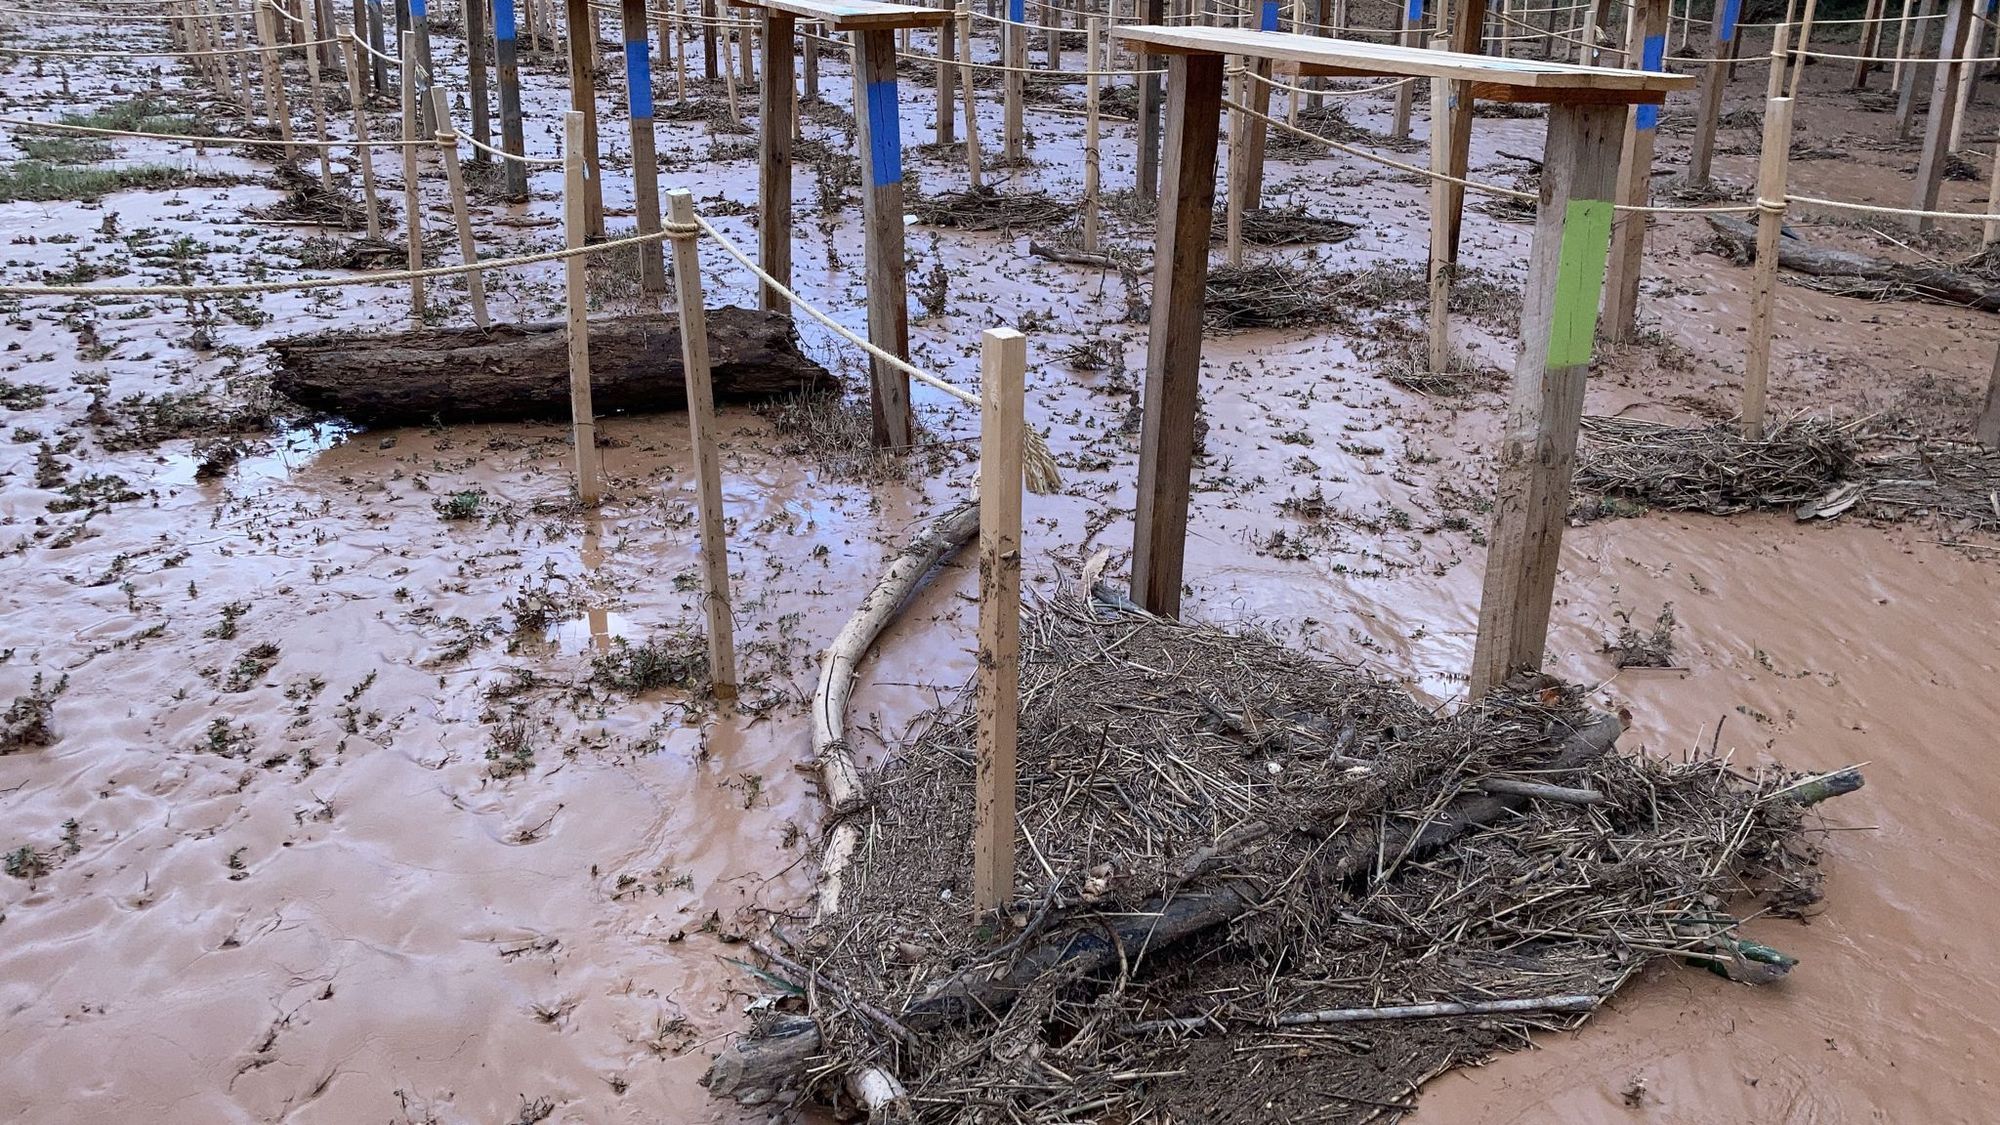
(759, 1066)
(522, 371)
(1932, 284)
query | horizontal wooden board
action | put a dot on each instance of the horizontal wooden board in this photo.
(853, 15)
(1523, 80)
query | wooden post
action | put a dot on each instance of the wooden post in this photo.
(715, 601)
(965, 75)
(1714, 81)
(1465, 39)
(1635, 181)
(1147, 182)
(811, 67)
(578, 161)
(476, 45)
(947, 94)
(1051, 35)
(364, 157)
(744, 48)
(1944, 106)
(1798, 71)
(318, 97)
(1987, 430)
(708, 50)
(645, 159)
(729, 72)
(1413, 19)
(426, 73)
(1014, 55)
(1094, 36)
(378, 42)
(1538, 448)
(1775, 85)
(468, 251)
(680, 52)
(1967, 71)
(507, 67)
(1869, 42)
(583, 99)
(774, 143)
(413, 203)
(276, 108)
(1902, 44)
(1772, 168)
(1173, 356)
(1991, 232)
(1444, 126)
(1003, 365)
(879, 132)
(1256, 132)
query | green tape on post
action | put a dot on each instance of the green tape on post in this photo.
(1586, 241)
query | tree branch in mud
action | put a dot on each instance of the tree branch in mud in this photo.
(522, 370)
(1928, 282)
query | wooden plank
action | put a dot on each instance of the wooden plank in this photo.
(1635, 183)
(583, 99)
(715, 601)
(854, 15)
(1173, 359)
(1003, 364)
(645, 158)
(1771, 173)
(878, 130)
(1355, 58)
(1944, 108)
(1714, 83)
(1538, 448)
(774, 159)
(576, 297)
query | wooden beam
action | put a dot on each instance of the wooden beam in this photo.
(1173, 359)
(1635, 182)
(879, 132)
(853, 15)
(645, 157)
(715, 600)
(1538, 447)
(583, 100)
(774, 158)
(1944, 107)
(1003, 364)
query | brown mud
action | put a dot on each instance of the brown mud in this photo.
(435, 854)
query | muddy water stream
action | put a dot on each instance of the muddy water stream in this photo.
(416, 862)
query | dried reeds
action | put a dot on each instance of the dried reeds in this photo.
(987, 208)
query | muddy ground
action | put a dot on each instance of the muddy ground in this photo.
(375, 789)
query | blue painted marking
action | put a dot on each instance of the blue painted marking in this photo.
(418, 11)
(885, 137)
(1269, 20)
(1017, 10)
(503, 20)
(1652, 56)
(1416, 11)
(1732, 10)
(638, 78)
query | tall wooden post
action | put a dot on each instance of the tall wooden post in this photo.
(879, 131)
(1466, 39)
(578, 158)
(1147, 182)
(1635, 182)
(318, 95)
(1093, 37)
(378, 42)
(715, 600)
(413, 203)
(971, 97)
(1412, 34)
(1869, 44)
(947, 93)
(1906, 84)
(1538, 447)
(810, 75)
(364, 157)
(1944, 107)
(645, 161)
(426, 75)
(1772, 167)
(1986, 431)
(774, 144)
(1902, 45)
(1014, 56)
(476, 46)
(1173, 355)
(583, 99)
(1714, 82)
(1003, 363)
(507, 68)
(1804, 44)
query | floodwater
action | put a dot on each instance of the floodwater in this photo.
(313, 883)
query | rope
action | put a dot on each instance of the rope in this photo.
(193, 139)
(4, 50)
(1349, 93)
(1868, 208)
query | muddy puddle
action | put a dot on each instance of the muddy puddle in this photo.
(361, 808)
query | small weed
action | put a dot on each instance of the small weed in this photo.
(25, 862)
(512, 753)
(459, 505)
(678, 660)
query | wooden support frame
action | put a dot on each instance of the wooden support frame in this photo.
(645, 153)
(1635, 182)
(774, 159)
(1003, 363)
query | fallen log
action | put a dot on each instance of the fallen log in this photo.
(1928, 282)
(513, 371)
(758, 1067)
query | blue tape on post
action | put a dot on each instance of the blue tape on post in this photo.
(1732, 11)
(417, 10)
(885, 138)
(503, 20)
(1017, 10)
(638, 78)
(1652, 56)
(1269, 18)
(1416, 12)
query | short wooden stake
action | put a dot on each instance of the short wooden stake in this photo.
(1094, 35)
(971, 96)
(878, 133)
(715, 600)
(1538, 446)
(413, 203)
(364, 156)
(468, 251)
(577, 171)
(1775, 81)
(645, 159)
(774, 144)
(1772, 167)
(1003, 364)
(1014, 56)
(583, 99)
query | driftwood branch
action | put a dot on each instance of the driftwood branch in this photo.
(1929, 282)
(1542, 791)
(1432, 1010)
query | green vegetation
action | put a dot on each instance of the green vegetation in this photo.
(37, 181)
(65, 150)
(141, 114)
